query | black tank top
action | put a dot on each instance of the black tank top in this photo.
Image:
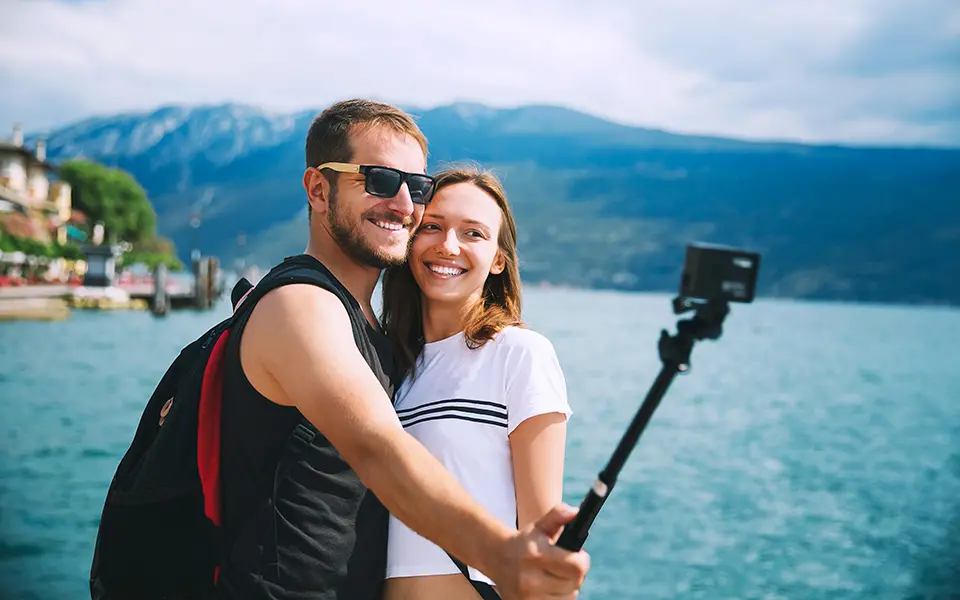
(317, 532)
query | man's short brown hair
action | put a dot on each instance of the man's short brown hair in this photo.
(329, 137)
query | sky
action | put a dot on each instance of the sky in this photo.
(851, 71)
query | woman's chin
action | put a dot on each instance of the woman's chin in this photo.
(435, 295)
(444, 298)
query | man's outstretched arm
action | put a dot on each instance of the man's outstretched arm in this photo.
(301, 337)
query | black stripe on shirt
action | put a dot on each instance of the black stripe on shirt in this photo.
(413, 422)
(495, 414)
(457, 400)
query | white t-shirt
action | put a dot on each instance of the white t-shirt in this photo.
(462, 406)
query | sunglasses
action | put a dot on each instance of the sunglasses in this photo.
(385, 182)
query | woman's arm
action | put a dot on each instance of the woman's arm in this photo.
(538, 445)
(537, 409)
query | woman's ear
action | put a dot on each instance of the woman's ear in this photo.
(499, 264)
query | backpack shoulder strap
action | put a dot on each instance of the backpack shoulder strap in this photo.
(244, 297)
(483, 588)
(297, 269)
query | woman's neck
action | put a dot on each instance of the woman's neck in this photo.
(442, 320)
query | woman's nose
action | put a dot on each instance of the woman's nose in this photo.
(450, 245)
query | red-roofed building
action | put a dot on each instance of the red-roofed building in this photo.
(28, 186)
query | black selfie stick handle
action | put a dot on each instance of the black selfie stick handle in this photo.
(575, 533)
(675, 355)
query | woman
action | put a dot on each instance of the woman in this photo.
(484, 394)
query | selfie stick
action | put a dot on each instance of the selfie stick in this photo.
(707, 323)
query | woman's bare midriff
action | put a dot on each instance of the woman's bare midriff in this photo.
(435, 587)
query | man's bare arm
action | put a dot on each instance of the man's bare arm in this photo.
(301, 336)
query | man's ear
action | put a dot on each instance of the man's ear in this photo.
(318, 190)
(499, 264)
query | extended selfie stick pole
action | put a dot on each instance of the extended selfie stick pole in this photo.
(707, 323)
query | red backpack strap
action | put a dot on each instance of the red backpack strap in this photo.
(208, 430)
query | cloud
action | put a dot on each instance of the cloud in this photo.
(854, 71)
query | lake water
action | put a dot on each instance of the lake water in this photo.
(812, 452)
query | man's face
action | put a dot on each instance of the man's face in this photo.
(375, 231)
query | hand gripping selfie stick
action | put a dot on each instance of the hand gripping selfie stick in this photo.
(720, 276)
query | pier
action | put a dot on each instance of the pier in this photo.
(163, 293)
(103, 289)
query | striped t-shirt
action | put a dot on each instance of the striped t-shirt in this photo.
(462, 406)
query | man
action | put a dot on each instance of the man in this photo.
(317, 352)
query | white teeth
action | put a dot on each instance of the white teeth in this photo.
(445, 270)
(391, 225)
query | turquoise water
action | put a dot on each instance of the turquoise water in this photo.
(812, 452)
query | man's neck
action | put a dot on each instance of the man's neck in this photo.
(359, 280)
(442, 320)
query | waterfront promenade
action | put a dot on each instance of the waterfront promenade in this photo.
(35, 302)
(54, 301)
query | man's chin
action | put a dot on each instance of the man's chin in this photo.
(380, 256)
(386, 258)
(392, 260)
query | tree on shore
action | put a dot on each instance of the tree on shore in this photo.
(113, 197)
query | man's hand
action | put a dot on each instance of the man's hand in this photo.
(533, 568)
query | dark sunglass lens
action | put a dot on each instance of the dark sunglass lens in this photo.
(383, 182)
(421, 188)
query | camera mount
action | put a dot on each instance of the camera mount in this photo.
(674, 350)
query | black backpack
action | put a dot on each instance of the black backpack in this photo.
(160, 533)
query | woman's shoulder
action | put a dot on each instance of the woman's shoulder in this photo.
(522, 339)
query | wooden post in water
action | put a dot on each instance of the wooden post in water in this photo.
(200, 288)
(161, 302)
(212, 292)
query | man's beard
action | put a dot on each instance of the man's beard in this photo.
(350, 237)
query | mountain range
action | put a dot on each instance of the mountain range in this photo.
(598, 204)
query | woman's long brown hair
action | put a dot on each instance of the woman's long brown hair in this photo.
(499, 305)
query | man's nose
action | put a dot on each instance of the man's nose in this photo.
(401, 203)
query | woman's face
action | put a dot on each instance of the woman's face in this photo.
(456, 246)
